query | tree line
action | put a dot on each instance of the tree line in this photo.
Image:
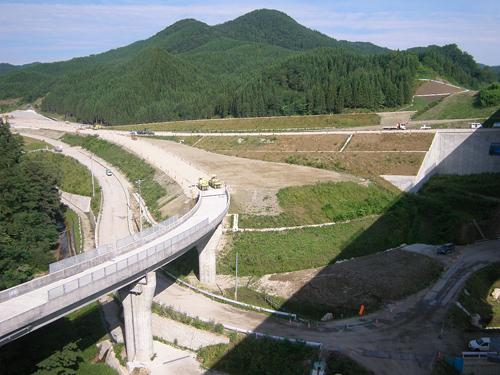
(29, 211)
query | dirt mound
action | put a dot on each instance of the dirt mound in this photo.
(373, 281)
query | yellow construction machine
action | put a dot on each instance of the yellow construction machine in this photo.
(215, 182)
(202, 183)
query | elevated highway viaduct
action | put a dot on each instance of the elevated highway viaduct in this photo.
(127, 270)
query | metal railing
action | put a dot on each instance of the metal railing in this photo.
(166, 246)
(74, 260)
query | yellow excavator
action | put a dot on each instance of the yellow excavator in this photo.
(202, 183)
(96, 127)
(215, 182)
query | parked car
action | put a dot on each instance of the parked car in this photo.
(108, 172)
(476, 125)
(424, 127)
(446, 248)
(482, 344)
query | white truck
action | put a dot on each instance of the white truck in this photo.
(399, 126)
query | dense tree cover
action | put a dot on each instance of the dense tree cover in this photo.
(490, 95)
(263, 63)
(449, 61)
(29, 211)
(5, 68)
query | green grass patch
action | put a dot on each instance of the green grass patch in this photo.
(262, 253)
(456, 106)
(76, 177)
(261, 356)
(284, 123)
(323, 202)
(479, 299)
(170, 313)
(31, 144)
(132, 166)
(67, 346)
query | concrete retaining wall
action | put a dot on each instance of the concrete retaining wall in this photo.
(461, 152)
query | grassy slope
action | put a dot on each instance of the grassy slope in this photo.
(261, 124)
(456, 106)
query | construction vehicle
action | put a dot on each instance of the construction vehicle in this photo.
(96, 127)
(146, 131)
(202, 183)
(399, 126)
(215, 182)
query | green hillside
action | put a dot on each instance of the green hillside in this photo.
(459, 106)
(261, 64)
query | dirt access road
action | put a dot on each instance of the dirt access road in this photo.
(405, 337)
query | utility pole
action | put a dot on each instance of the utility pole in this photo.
(236, 281)
(138, 182)
(92, 171)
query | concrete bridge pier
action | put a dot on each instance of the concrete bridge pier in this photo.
(207, 248)
(137, 299)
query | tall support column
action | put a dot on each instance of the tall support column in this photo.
(207, 249)
(137, 299)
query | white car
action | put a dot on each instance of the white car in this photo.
(482, 344)
(424, 127)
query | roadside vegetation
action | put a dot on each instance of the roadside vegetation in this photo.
(132, 166)
(476, 297)
(31, 144)
(66, 346)
(76, 178)
(259, 356)
(72, 224)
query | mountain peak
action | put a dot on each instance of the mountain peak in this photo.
(275, 28)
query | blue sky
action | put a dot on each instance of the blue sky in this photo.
(49, 30)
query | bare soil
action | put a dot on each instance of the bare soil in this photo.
(373, 281)
(365, 154)
(437, 88)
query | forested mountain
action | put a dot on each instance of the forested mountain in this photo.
(29, 209)
(260, 64)
(6, 68)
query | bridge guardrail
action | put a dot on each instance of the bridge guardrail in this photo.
(82, 257)
(63, 273)
(124, 263)
(162, 228)
(148, 233)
